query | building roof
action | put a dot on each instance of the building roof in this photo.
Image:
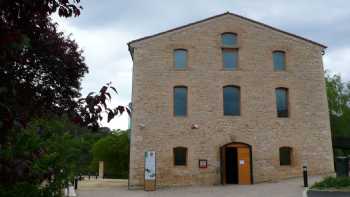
(217, 16)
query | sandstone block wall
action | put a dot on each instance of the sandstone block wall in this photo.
(154, 127)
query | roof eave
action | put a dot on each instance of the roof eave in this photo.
(131, 49)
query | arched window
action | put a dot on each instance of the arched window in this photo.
(282, 102)
(180, 101)
(232, 101)
(180, 156)
(229, 39)
(285, 156)
(180, 58)
(279, 60)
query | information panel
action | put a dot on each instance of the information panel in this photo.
(150, 170)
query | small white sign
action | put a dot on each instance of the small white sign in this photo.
(241, 162)
(150, 165)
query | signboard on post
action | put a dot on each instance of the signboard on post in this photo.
(150, 171)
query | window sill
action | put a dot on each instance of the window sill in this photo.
(280, 71)
(229, 47)
(231, 70)
(180, 69)
(180, 166)
(286, 166)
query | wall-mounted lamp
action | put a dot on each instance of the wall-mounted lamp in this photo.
(141, 125)
(195, 126)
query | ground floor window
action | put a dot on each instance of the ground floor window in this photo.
(285, 156)
(180, 156)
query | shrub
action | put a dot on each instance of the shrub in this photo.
(41, 159)
(332, 182)
(113, 149)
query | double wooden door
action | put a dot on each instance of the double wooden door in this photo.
(236, 164)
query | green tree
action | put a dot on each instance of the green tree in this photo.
(338, 93)
(114, 151)
(44, 157)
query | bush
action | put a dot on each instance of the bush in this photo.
(113, 149)
(41, 159)
(332, 182)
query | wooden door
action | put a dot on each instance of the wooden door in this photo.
(243, 154)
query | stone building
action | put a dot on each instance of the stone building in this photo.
(228, 100)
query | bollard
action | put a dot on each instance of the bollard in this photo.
(306, 184)
(76, 183)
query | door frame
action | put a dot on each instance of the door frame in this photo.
(222, 161)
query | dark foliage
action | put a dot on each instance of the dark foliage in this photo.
(40, 69)
(89, 110)
(40, 73)
(43, 157)
(332, 183)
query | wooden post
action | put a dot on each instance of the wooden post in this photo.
(101, 169)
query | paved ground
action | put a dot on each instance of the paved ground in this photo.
(118, 188)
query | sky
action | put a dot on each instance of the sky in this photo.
(106, 26)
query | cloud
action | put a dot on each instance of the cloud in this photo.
(338, 62)
(108, 59)
(104, 28)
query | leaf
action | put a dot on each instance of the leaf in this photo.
(99, 109)
(115, 90)
(128, 111)
(103, 89)
(109, 95)
(120, 109)
(90, 94)
(110, 116)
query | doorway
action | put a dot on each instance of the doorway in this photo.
(232, 167)
(236, 167)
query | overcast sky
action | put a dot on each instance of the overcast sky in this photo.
(105, 27)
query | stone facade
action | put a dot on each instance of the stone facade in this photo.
(154, 127)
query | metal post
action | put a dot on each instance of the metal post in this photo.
(76, 183)
(306, 184)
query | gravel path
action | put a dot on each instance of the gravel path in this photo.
(118, 188)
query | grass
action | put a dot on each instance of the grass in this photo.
(333, 183)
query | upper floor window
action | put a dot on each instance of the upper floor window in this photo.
(180, 58)
(232, 101)
(285, 156)
(230, 58)
(180, 101)
(279, 60)
(282, 102)
(229, 39)
(229, 50)
(180, 156)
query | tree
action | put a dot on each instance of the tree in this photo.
(338, 93)
(88, 111)
(44, 157)
(114, 151)
(40, 68)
